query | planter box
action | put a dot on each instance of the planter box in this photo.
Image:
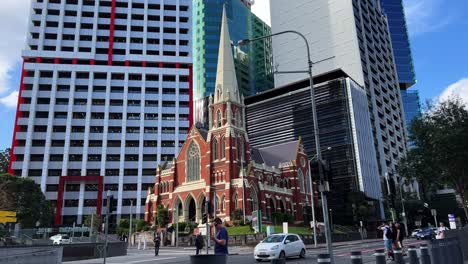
(208, 259)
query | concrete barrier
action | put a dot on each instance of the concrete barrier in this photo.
(31, 255)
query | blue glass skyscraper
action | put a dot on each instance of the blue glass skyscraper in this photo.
(400, 41)
(411, 105)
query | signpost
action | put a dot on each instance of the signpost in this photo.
(434, 213)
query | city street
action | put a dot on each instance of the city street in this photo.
(244, 255)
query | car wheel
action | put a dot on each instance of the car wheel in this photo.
(303, 253)
(282, 255)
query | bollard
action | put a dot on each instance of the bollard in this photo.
(356, 257)
(435, 252)
(425, 258)
(323, 258)
(380, 256)
(398, 256)
(278, 261)
(458, 253)
(413, 255)
(447, 251)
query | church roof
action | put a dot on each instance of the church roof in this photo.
(274, 155)
(203, 133)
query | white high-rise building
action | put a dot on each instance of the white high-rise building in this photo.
(105, 96)
(351, 35)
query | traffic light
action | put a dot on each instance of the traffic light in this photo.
(314, 170)
(112, 203)
(204, 218)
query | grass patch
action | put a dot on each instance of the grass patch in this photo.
(245, 230)
(239, 230)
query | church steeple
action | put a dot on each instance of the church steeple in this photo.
(226, 88)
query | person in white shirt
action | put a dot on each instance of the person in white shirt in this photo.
(441, 231)
(387, 238)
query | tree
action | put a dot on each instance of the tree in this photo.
(123, 227)
(97, 222)
(162, 216)
(4, 160)
(142, 225)
(439, 154)
(25, 197)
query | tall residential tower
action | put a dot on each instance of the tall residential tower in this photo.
(104, 98)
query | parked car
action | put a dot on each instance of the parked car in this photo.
(426, 233)
(413, 234)
(280, 246)
(60, 239)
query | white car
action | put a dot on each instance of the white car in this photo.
(280, 246)
(60, 239)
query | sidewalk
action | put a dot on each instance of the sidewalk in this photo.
(345, 243)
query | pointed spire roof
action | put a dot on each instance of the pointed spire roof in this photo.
(226, 88)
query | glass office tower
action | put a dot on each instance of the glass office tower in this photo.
(253, 62)
(400, 41)
(411, 105)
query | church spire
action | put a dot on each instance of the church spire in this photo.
(226, 88)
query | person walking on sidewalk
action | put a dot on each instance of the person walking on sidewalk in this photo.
(441, 231)
(157, 243)
(400, 235)
(199, 243)
(221, 238)
(387, 238)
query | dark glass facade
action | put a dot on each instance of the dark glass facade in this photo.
(338, 116)
(400, 41)
(254, 63)
(411, 106)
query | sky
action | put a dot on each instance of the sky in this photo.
(438, 34)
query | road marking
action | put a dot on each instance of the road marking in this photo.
(145, 260)
(371, 250)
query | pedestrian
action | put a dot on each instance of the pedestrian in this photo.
(220, 238)
(400, 235)
(441, 231)
(157, 243)
(388, 239)
(199, 243)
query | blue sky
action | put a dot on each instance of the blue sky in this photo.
(438, 31)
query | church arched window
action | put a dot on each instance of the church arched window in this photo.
(218, 118)
(300, 178)
(215, 149)
(241, 149)
(223, 146)
(193, 162)
(238, 119)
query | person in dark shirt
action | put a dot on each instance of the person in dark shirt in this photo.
(157, 243)
(221, 238)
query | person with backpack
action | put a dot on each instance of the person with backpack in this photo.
(387, 238)
(157, 243)
(199, 243)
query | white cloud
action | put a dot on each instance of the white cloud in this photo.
(458, 89)
(424, 16)
(261, 8)
(10, 100)
(14, 15)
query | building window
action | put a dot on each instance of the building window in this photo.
(193, 162)
(300, 178)
(218, 118)
(241, 149)
(238, 119)
(223, 146)
(234, 201)
(215, 149)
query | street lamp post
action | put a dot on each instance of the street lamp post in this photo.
(323, 188)
(312, 205)
(107, 224)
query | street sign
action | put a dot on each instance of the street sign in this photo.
(7, 213)
(7, 219)
(433, 212)
(453, 224)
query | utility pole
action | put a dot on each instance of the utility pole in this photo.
(208, 233)
(130, 228)
(177, 227)
(107, 224)
(243, 184)
(313, 205)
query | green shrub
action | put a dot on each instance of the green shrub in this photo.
(142, 225)
(237, 214)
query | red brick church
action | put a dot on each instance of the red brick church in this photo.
(213, 163)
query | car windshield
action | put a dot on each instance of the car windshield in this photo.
(274, 239)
